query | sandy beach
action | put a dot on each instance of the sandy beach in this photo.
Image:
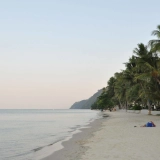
(114, 137)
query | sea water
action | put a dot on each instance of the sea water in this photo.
(24, 133)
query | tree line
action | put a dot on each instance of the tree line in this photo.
(139, 83)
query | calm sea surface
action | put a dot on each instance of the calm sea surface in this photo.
(24, 133)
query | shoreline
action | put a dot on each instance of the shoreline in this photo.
(73, 147)
(118, 136)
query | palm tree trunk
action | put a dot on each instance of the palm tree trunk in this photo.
(120, 104)
(126, 104)
(149, 107)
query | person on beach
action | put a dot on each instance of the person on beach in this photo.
(149, 124)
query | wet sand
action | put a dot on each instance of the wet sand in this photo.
(74, 148)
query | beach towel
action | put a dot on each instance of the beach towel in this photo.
(149, 124)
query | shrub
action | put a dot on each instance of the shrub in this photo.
(137, 107)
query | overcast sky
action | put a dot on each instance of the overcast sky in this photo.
(56, 52)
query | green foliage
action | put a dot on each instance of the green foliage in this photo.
(139, 82)
(104, 101)
(155, 44)
(137, 107)
(94, 106)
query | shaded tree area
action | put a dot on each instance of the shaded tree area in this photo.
(139, 83)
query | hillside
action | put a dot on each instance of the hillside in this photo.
(86, 104)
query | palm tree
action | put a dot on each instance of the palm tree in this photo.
(155, 43)
(140, 81)
(120, 88)
(148, 72)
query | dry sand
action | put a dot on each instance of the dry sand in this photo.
(119, 139)
(114, 138)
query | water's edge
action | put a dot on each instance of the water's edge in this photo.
(75, 143)
(35, 134)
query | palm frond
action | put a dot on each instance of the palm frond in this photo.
(144, 77)
(156, 33)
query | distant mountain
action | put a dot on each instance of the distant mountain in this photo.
(86, 104)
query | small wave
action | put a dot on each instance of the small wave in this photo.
(72, 131)
(73, 128)
(55, 142)
(105, 115)
(39, 148)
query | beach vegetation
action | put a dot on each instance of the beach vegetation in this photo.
(137, 107)
(138, 85)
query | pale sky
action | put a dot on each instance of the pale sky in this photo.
(56, 52)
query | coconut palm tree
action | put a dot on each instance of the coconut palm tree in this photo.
(155, 43)
(148, 72)
(140, 81)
